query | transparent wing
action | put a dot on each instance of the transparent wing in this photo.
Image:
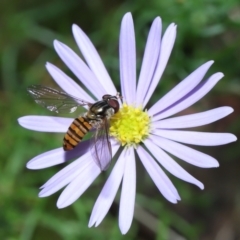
(54, 100)
(101, 148)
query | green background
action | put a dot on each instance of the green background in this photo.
(207, 30)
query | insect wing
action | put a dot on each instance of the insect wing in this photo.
(54, 100)
(101, 148)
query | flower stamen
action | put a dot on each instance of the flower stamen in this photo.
(130, 125)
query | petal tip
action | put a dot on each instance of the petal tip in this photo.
(91, 223)
(123, 232)
(124, 229)
(55, 41)
(231, 110)
(30, 165)
(201, 186)
(234, 138)
(19, 120)
(220, 75)
(157, 20)
(74, 26)
(41, 194)
(127, 16)
(57, 44)
(60, 205)
(48, 64)
(75, 29)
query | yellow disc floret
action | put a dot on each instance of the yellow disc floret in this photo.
(130, 125)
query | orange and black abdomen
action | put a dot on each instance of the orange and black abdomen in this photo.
(77, 130)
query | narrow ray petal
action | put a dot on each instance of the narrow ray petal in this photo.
(193, 120)
(165, 51)
(47, 159)
(65, 176)
(183, 88)
(127, 200)
(86, 157)
(67, 84)
(170, 165)
(160, 179)
(185, 153)
(79, 185)
(57, 156)
(45, 123)
(197, 93)
(93, 59)
(108, 193)
(80, 69)
(127, 51)
(150, 59)
(197, 138)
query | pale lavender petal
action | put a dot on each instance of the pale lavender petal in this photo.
(197, 138)
(65, 176)
(150, 59)
(47, 159)
(57, 156)
(197, 93)
(79, 185)
(93, 59)
(127, 200)
(80, 69)
(165, 51)
(160, 179)
(45, 123)
(127, 58)
(193, 120)
(67, 84)
(183, 88)
(185, 153)
(170, 165)
(108, 193)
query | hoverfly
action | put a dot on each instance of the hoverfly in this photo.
(97, 117)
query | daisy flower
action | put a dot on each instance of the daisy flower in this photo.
(135, 130)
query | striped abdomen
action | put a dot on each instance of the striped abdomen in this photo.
(77, 130)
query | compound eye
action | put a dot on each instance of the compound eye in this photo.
(114, 104)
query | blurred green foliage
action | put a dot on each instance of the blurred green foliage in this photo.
(207, 29)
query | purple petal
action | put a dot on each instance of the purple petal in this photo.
(108, 193)
(193, 120)
(67, 84)
(170, 165)
(149, 60)
(93, 59)
(80, 69)
(65, 176)
(185, 153)
(127, 58)
(197, 93)
(127, 200)
(183, 88)
(165, 51)
(160, 179)
(57, 156)
(47, 159)
(79, 185)
(45, 123)
(197, 138)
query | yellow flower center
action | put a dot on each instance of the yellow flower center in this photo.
(130, 125)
